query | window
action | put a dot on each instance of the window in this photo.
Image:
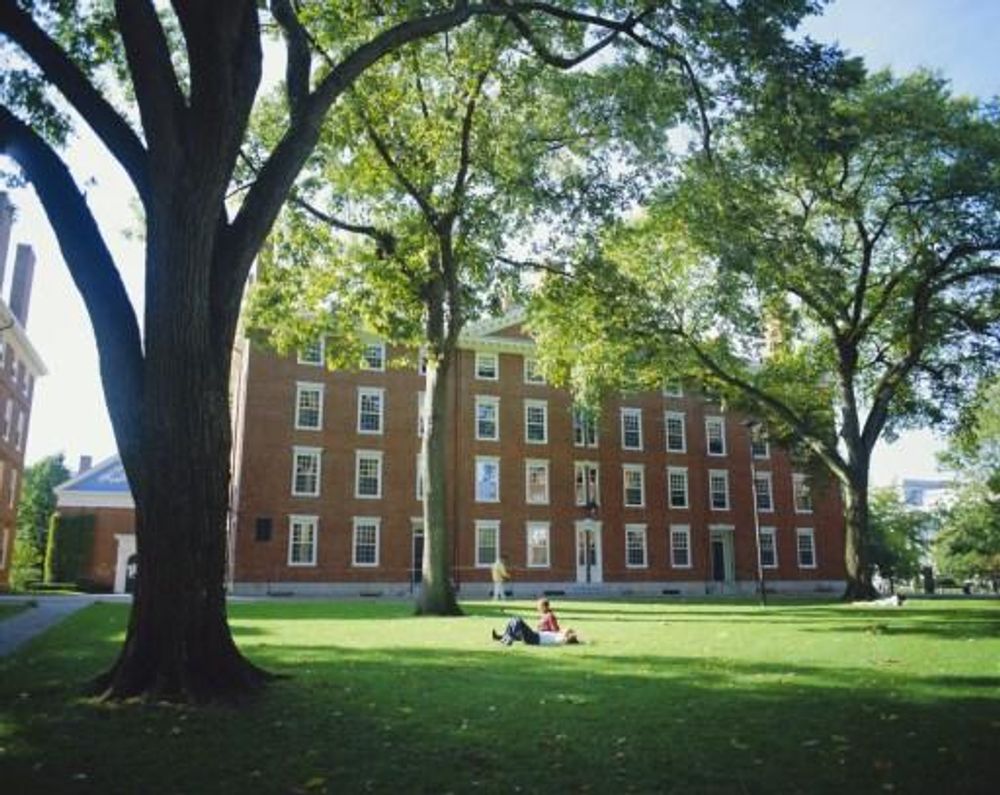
(368, 474)
(759, 446)
(302, 540)
(536, 476)
(487, 479)
(718, 489)
(762, 491)
(305, 471)
(420, 477)
(370, 410)
(538, 545)
(631, 429)
(308, 406)
(19, 430)
(672, 389)
(8, 419)
(806, 544)
(677, 487)
(584, 428)
(634, 485)
(373, 356)
(366, 533)
(673, 422)
(680, 546)
(768, 548)
(487, 542)
(312, 353)
(532, 371)
(487, 418)
(262, 528)
(587, 480)
(536, 421)
(422, 360)
(635, 546)
(715, 433)
(421, 422)
(487, 366)
(12, 496)
(802, 494)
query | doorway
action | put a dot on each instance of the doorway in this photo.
(417, 560)
(588, 552)
(722, 557)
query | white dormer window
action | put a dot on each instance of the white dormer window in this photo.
(487, 366)
(312, 353)
(532, 371)
(373, 356)
(672, 389)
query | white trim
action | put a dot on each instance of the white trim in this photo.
(544, 406)
(674, 415)
(711, 502)
(585, 467)
(799, 480)
(369, 391)
(487, 400)
(310, 386)
(489, 326)
(297, 451)
(15, 336)
(721, 421)
(630, 411)
(641, 469)
(419, 485)
(769, 478)
(544, 464)
(306, 520)
(483, 356)
(687, 489)
(475, 485)
(95, 499)
(686, 530)
(810, 533)
(487, 524)
(672, 389)
(528, 526)
(124, 550)
(539, 379)
(635, 528)
(365, 365)
(773, 533)
(758, 434)
(580, 418)
(376, 455)
(322, 356)
(421, 425)
(374, 520)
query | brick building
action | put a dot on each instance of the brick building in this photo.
(20, 366)
(654, 497)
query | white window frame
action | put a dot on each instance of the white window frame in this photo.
(422, 360)
(673, 389)
(420, 478)
(685, 531)
(486, 459)
(771, 532)
(312, 522)
(321, 343)
(368, 347)
(805, 532)
(481, 358)
(8, 420)
(641, 470)
(759, 436)
(586, 467)
(544, 406)
(369, 455)
(630, 411)
(721, 423)
(724, 473)
(800, 482)
(421, 425)
(528, 528)
(357, 522)
(302, 387)
(682, 418)
(311, 452)
(766, 477)
(481, 526)
(532, 374)
(19, 430)
(583, 423)
(637, 529)
(371, 391)
(488, 400)
(687, 489)
(12, 495)
(536, 463)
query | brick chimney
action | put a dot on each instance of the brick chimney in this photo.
(86, 462)
(20, 286)
(6, 222)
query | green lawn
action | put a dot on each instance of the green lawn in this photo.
(8, 609)
(666, 696)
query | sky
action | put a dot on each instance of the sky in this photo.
(955, 37)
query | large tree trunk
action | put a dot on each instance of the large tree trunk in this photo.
(859, 580)
(437, 595)
(178, 645)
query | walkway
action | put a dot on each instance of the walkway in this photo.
(19, 629)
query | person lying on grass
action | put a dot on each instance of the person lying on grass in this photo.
(517, 629)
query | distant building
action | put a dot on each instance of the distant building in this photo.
(20, 367)
(927, 493)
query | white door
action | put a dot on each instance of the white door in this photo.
(588, 551)
(126, 549)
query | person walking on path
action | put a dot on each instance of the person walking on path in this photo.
(500, 577)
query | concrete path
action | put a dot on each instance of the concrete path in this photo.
(19, 629)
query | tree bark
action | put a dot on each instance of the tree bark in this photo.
(858, 573)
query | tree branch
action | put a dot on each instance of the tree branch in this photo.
(298, 66)
(535, 265)
(114, 132)
(385, 241)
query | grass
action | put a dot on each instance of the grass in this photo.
(665, 697)
(8, 609)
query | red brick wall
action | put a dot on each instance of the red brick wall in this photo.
(108, 522)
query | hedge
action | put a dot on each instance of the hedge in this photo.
(71, 539)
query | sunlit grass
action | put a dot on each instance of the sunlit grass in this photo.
(665, 696)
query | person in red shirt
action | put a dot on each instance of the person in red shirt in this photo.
(547, 621)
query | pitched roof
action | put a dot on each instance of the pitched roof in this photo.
(104, 484)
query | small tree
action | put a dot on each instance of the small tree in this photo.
(898, 536)
(36, 505)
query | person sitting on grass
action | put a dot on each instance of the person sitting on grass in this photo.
(518, 629)
(547, 621)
